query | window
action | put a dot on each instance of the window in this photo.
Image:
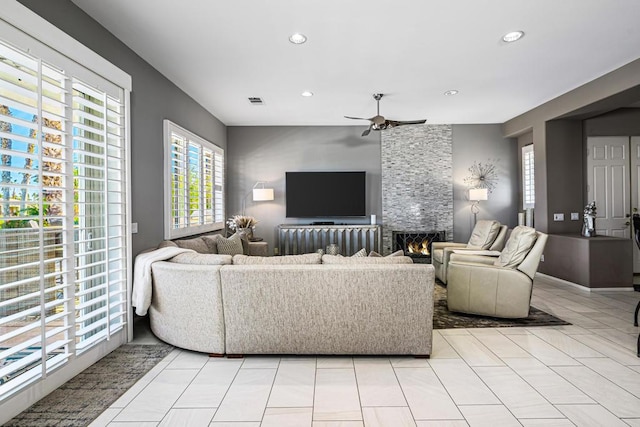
(528, 177)
(194, 183)
(63, 213)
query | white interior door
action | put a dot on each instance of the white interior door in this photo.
(608, 180)
(635, 192)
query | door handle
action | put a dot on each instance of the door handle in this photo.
(627, 223)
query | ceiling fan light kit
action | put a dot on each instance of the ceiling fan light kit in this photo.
(378, 122)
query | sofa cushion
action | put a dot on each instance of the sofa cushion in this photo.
(201, 259)
(517, 247)
(197, 244)
(314, 258)
(360, 254)
(484, 234)
(339, 259)
(231, 246)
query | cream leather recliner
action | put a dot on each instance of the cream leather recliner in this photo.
(486, 235)
(497, 287)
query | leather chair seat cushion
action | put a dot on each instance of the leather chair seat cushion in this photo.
(517, 247)
(484, 234)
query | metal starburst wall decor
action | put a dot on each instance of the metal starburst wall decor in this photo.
(483, 175)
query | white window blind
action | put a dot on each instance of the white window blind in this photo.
(63, 250)
(528, 177)
(194, 183)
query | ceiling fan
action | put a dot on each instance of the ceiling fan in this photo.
(378, 122)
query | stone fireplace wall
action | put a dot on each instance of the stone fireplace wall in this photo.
(417, 180)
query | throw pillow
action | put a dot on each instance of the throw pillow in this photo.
(196, 244)
(483, 235)
(360, 254)
(374, 254)
(336, 259)
(231, 246)
(210, 241)
(517, 247)
(314, 258)
(201, 259)
(399, 252)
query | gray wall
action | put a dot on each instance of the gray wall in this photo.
(617, 89)
(484, 143)
(265, 153)
(153, 99)
(622, 122)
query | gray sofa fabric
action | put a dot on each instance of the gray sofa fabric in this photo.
(294, 309)
(328, 309)
(186, 306)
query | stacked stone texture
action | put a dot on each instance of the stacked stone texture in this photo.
(417, 180)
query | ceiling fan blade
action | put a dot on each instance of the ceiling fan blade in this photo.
(393, 123)
(355, 118)
(368, 130)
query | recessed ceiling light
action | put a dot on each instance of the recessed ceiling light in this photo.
(297, 38)
(307, 93)
(451, 92)
(512, 36)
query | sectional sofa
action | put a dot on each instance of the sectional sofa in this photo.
(299, 304)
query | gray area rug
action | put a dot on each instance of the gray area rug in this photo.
(445, 319)
(82, 399)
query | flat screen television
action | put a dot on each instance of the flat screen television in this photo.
(325, 194)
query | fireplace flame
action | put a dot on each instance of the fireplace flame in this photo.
(419, 247)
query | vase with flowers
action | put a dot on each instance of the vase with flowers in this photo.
(243, 225)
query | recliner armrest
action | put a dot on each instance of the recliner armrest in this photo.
(472, 259)
(442, 245)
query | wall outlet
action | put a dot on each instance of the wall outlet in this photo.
(575, 216)
(134, 227)
(275, 251)
(558, 217)
(542, 258)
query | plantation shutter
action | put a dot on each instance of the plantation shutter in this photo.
(63, 214)
(528, 175)
(36, 311)
(99, 172)
(194, 180)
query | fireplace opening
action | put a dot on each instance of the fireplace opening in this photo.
(417, 244)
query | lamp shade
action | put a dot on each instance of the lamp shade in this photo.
(476, 194)
(262, 194)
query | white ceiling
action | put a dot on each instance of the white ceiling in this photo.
(222, 52)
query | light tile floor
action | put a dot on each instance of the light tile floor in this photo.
(586, 374)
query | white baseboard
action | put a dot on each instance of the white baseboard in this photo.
(582, 288)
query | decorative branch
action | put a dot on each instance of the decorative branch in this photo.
(483, 175)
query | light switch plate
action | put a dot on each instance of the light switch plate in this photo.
(558, 217)
(575, 216)
(134, 227)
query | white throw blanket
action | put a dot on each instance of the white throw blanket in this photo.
(141, 294)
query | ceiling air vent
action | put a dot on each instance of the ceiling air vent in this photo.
(254, 100)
